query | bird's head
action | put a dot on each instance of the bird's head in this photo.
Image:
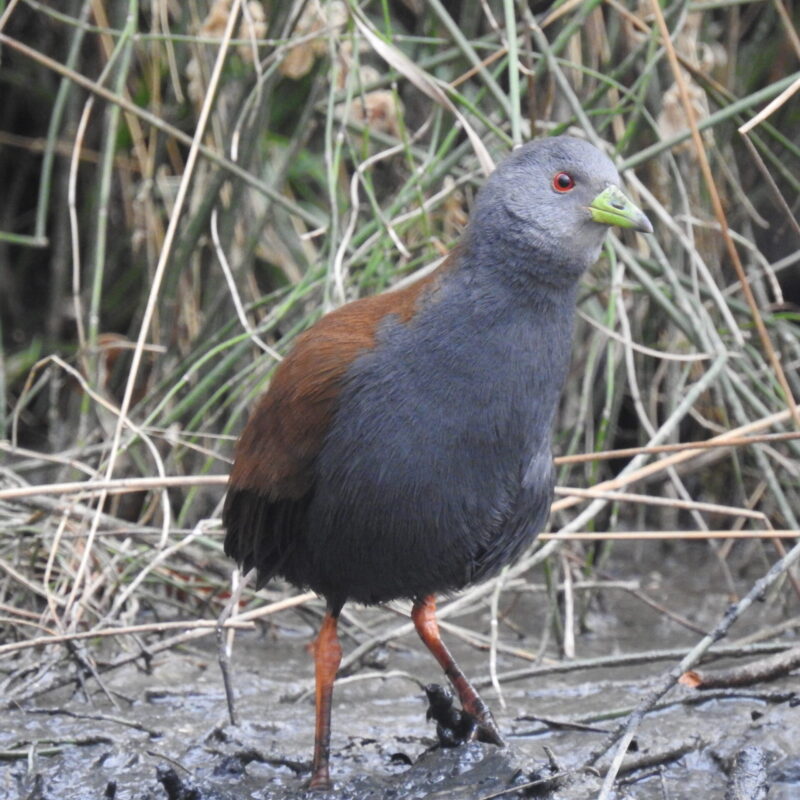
(553, 200)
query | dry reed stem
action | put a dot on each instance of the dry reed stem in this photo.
(241, 621)
(770, 108)
(619, 536)
(719, 211)
(152, 627)
(7, 12)
(122, 485)
(683, 455)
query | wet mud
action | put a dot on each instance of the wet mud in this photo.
(161, 730)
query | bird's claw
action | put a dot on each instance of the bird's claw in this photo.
(486, 729)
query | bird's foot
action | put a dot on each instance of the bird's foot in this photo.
(455, 726)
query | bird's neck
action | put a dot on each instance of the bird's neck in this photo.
(511, 337)
(517, 332)
(530, 256)
(508, 275)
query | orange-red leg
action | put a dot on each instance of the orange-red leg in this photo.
(424, 617)
(327, 657)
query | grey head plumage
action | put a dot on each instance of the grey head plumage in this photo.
(549, 204)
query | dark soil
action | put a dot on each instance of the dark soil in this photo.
(169, 735)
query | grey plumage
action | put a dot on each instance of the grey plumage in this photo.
(435, 467)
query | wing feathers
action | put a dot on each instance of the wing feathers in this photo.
(272, 479)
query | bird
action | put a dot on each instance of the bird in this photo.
(403, 447)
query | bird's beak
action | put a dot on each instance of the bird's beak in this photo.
(612, 207)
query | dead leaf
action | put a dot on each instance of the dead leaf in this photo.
(691, 679)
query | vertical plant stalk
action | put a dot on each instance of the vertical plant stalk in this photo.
(789, 26)
(549, 54)
(158, 276)
(3, 402)
(87, 341)
(719, 212)
(469, 53)
(513, 71)
(48, 158)
(494, 625)
(124, 49)
(161, 125)
(334, 142)
(38, 239)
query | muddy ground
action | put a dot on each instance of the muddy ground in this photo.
(169, 735)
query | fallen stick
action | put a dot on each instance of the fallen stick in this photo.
(766, 669)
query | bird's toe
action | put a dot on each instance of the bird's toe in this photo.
(487, 731)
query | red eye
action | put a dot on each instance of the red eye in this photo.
(563, 182)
